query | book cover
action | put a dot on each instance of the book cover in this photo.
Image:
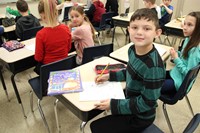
(66, 81)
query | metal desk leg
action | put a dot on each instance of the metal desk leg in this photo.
(82, 126)
(17, 94)
(113, 37)
(56, 114)
(4, 85)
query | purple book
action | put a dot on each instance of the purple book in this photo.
(65, 81)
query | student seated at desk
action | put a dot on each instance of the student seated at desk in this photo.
(166, 13)
(95, 12)
(53, 42)
(188, 57)
(144, 76)
(83, 32)
(151, 4)
(26, 21)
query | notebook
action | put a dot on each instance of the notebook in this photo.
(65, 81)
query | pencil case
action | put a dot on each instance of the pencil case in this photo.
(111, 67)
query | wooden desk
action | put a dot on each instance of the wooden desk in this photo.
(18, 61)
(121, 22)
(174, 28)
(121, 54)
(85, 111)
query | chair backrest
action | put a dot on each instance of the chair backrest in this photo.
(64, 64)
(30, 33)
(91, 53)
(193, 124)
(190, 77)
(66, 13)
(106, 20)
(183, 89)
(127, 10)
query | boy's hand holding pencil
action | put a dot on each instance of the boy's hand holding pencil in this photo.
(102, 78)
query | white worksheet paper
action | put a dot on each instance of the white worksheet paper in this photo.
(96, 92)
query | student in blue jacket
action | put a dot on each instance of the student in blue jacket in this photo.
(188, 57)
(144, 76)
(1, 32)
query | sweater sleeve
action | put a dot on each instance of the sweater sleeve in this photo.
(193, 60)
(39, 48)
(12, 11)
(146, 100)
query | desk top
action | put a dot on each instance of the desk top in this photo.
(175, 23)
(10, 28)
(127, 18)
(19, 54)
(88, 73)
(122, 53)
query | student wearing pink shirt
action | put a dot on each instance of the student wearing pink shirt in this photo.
(83, 32)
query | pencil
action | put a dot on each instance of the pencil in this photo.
(103, 70)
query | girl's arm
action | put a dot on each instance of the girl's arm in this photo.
(39, 49)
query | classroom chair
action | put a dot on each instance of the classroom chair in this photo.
(40, 84)
(152, 129)
(173, 98)
(66, 14)
(105, 23)
(193, 124)
(90, 53)
(30, 33)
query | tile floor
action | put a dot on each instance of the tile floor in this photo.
(12, 120)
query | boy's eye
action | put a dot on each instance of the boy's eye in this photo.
(147, 28)
(134, 27)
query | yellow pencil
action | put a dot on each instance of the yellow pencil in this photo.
(103, 70)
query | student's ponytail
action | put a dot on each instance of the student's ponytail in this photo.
(92, 28)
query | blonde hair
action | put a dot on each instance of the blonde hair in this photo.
(48, 7)
(80, 10)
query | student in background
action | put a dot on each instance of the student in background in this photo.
(53, 42)
(151, 4)
(112, 6)
(26, 21)
(67, 3)
(95, 12)
(15, 13)
(82, 31)
(188, 57)
(144, 76)
(166, 13)
(88, 4)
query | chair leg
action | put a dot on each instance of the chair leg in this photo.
(167, 118)
(82, 126)
(188, 102)
(42, 115)
(56, 115)
(31, 100)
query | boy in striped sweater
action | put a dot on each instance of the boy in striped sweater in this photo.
(144, 76)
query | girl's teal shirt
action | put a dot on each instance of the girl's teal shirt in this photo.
(183, 65)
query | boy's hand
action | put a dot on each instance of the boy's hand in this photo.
(173, 53)
(100, 79)
(103, 105)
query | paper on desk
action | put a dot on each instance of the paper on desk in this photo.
(94, 92)
(31, 47)
(160, 50)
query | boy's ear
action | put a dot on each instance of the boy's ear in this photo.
(158, 33)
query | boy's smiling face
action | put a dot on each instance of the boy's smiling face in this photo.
(142, 32)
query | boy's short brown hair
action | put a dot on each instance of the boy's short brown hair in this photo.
(145, 13)
(22, 6)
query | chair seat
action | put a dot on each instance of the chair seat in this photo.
(35, 84)
(168, 98)
(152, 129)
